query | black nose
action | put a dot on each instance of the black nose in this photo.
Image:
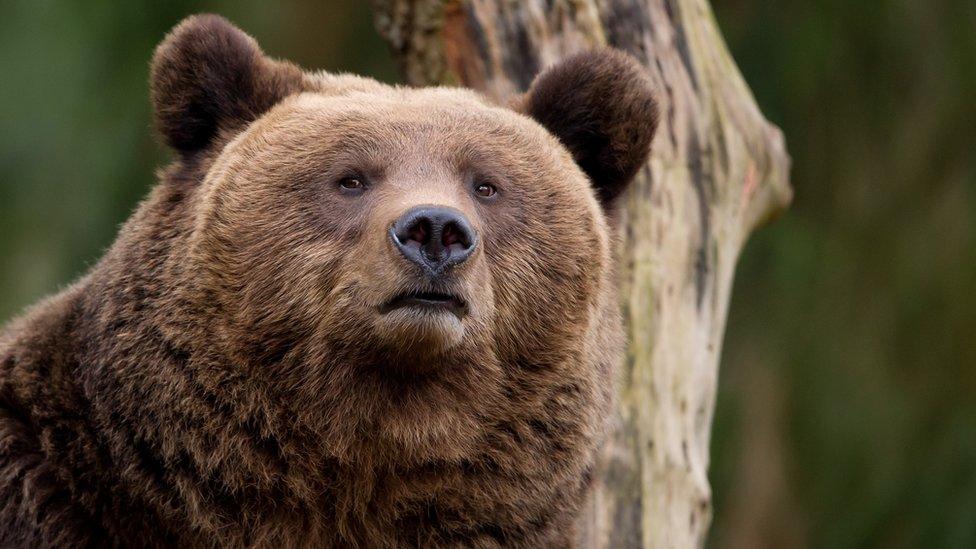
(434, 237)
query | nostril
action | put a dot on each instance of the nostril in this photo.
(413, 232)
(453, 235)
(420, 231)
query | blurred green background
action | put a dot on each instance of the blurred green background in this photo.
(847, 406)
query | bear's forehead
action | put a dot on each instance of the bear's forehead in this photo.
(403, 113)
(403, 126)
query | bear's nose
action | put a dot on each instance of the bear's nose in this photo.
(434, 237)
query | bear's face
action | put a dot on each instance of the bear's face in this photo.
(501, 243)
(401, 262)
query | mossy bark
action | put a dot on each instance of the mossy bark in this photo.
(718, 169)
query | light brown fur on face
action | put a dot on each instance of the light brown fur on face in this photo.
(235, 371)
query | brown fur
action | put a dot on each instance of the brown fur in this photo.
(222, 376)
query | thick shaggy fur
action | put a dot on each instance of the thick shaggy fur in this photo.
(222, 377)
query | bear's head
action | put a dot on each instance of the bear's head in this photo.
(403, 265)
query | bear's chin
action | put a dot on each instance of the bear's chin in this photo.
(419, 336)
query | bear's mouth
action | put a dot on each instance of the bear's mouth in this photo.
(427, 300)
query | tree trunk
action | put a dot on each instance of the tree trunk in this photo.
(717, 170)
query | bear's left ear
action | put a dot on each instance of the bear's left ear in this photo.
(209, 79)
(601, 106)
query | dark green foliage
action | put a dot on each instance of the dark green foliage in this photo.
(854, 316)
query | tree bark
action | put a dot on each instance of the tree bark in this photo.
(718, 169)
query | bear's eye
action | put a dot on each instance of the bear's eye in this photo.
(354, 184)
(485, 190)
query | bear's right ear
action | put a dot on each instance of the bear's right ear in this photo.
(602, 107)
(210, 79)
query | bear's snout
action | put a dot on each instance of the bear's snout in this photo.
(435, 238)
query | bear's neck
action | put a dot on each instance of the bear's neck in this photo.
(257, 461)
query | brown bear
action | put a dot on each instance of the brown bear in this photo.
(350, 314)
